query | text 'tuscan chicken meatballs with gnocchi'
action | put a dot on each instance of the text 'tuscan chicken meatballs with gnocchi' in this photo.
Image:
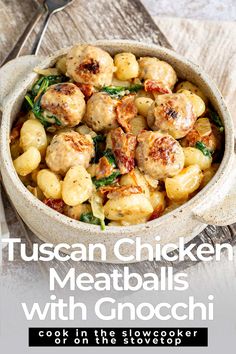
(114, 141)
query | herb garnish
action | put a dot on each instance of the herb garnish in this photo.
(216, 119)
(118, 91)
(98, 142)
(33, 98)
(110, 157)
(202, 147)
(106, 180)
(89, 218)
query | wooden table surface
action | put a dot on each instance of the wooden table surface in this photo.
(85, 21)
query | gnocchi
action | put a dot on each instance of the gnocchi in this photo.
(143, 105)
(135, 178)
(77, 186)
(28, 161)
(133, 208)
(197, 102)
(194, 156)
(49, 183)
(126, 66)
(187, 85)
(186, 182)
(114, 140)
(137, 124)
(33, 134)
(76, 211)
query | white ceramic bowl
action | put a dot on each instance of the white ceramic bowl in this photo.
(215, 204)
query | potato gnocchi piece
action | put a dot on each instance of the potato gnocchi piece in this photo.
(126, 66)
(198, 104)
(77, 186)
(76, 211)
(143, 105)
(209, 173)
(157, 200)
(135, 178)
(187, 85)
(152, 182)
(96, 202)
(129, 208)
(85, 130)
(33, 134)
(203, 127)
(28, 161)
(49, 183)
(194, 156)
(137, 124)
(116, 82)
(179, 188)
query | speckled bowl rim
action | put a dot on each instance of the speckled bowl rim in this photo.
(125, 230)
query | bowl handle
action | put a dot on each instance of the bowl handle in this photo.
(223, 210)
(13, 73)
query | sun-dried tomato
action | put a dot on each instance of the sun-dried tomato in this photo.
(56, 204)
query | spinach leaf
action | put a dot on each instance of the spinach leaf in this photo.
(216, 119)
(98, 142)
(117, 91)
(202, 147)
(89, 218)
(45, 81)
(110, 157)
(33, 98)
(106, 180)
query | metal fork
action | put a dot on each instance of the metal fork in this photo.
(51, 7)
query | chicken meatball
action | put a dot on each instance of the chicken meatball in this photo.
(66, 102)
(159, 155)
(69, 149)
(101, 112)
(90, 65)
(173, 114)
(155, 69)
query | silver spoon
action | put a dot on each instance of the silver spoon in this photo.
(51, 7)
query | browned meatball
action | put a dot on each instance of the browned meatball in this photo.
(66, 102)
(154, 69)
(173, 114)
(159, 155)
(90, 65)
(101, 112)
(69, 149)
